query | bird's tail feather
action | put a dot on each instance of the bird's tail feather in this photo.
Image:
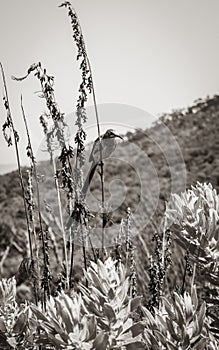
(83, 191)
(88, 179)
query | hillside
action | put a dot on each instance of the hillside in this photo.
(195, 130)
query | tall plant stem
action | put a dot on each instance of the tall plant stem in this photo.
(93, 250)
(35, 176)
(18, 163)
(71, 252)
(38, 195)
(184, 280)
(83, 52)
(193, 275)
(100, 142)
(31, 211)
(185, 270)
(101, 156)
(163, 246)
(62, 224)
(83, 248)
(71, 279)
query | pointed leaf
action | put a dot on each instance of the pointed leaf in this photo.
(109, 312)
(135, 303)
(135, 329)
(92, 328)
(101, 341)
(20, 324)
(3, 328)
(138, 345)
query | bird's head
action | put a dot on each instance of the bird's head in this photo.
(111, 134)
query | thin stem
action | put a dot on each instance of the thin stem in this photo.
(72, 230)
(37, 190)
(101, 155)
(18, 163)
(71, 280)
(83, 248)
(33, 166)
(61, 221)
(163, 246)
(4, 257)
(93, 251)
(71, 252)
(193, 275)
(31, 208)
(187, 268)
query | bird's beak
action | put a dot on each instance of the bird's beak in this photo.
(119, 136)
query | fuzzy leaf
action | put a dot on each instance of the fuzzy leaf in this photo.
(200, 344)
(135, 303)
(168, 308)
(136, 346)
(171, 330)
(188, 306)
(194, 297)
(92, 328)
(39, 314)
(149, 318)
(20, 324)
(101, 341)
(201, 316)
(111, 294)
(136, 329)
(178, 304)
(3, 328)
(66, 317)
(109, 312)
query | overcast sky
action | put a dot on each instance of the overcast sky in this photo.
(153, 55)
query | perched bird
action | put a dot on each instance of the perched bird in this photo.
(100, 151)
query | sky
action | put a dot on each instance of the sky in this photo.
(150, 55)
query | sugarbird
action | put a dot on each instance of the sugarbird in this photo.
(100, 151)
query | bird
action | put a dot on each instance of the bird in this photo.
(103, 147)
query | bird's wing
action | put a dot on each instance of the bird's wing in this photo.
(94, 151)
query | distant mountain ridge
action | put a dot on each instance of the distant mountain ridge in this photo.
(7, 168)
